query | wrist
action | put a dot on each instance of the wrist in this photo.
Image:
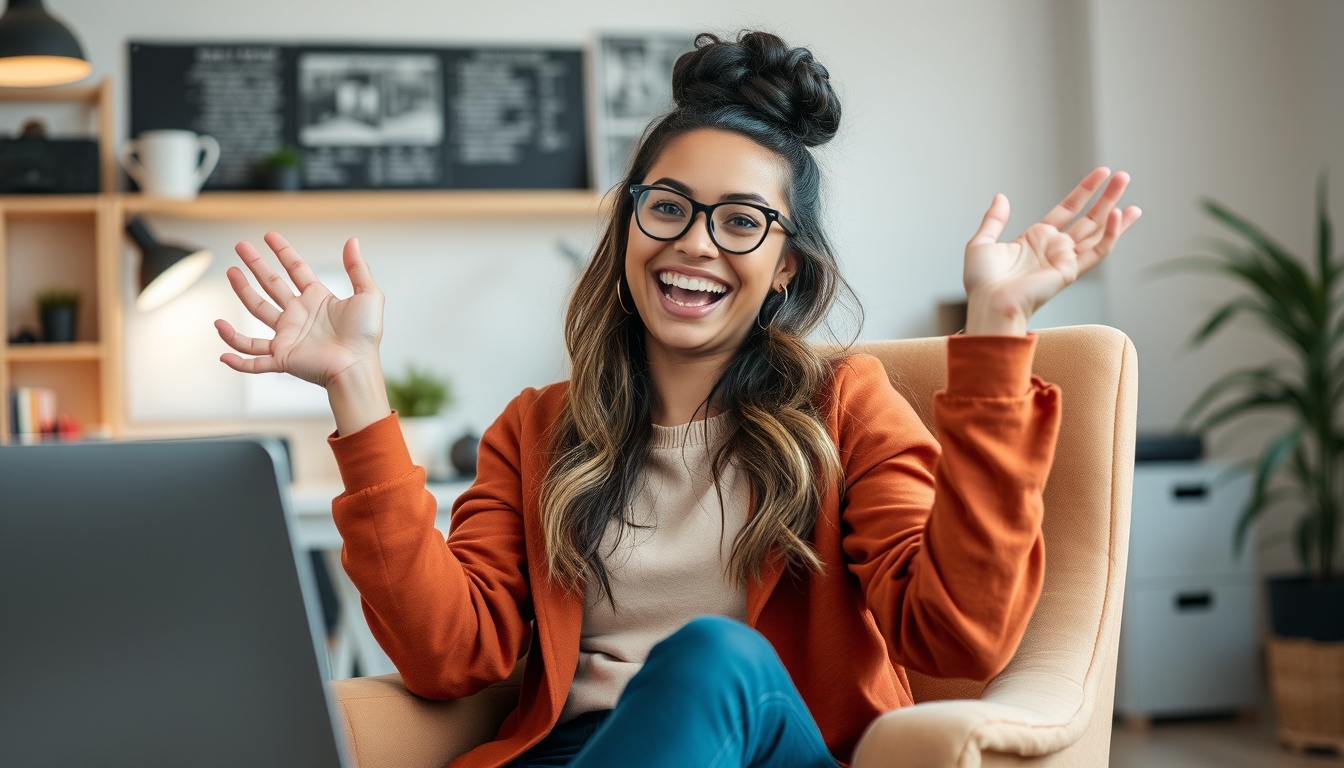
(990, 316)
(358, 396)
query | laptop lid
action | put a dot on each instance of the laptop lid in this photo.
(154, 611)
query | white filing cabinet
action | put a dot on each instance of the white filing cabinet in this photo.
(1189, 641)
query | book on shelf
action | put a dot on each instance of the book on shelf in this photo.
(34, 417)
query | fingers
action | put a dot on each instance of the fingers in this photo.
(1068, 208)
(274, 285)
(1101, 209)
(1117, 222)
(265, 364)
(296, 267)
(361, 279)
(996, 218)
(260, 308)
(245, 344)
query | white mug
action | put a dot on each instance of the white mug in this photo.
(170, 163)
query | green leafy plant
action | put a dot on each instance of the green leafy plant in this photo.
(284, 157)
(57, 297)
(419, 393)
(1300, 304)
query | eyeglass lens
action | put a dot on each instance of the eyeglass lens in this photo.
(666, 215)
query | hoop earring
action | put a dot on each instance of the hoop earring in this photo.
(619, 300)
(785, 289)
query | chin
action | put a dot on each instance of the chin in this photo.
(680, 338)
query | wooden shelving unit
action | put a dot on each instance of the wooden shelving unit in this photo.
(87, 374)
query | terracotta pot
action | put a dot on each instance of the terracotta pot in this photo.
(1307, 678)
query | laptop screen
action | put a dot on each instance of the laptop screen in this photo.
(153, 611)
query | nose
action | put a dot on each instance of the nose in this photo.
(697, 243)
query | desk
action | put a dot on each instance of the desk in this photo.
(352, 643)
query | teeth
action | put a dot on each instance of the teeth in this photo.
(691, 283)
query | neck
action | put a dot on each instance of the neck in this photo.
(682, 382)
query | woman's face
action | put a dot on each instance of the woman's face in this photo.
(694, 298)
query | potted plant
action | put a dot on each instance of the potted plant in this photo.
(282, 167)
(418, 398)
(58, 310)
(1299, 303)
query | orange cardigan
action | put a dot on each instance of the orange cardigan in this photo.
(932, 564)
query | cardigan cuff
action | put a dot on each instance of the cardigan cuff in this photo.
(990, 366)
(372, 456)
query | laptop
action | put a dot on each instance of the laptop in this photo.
(154, 610)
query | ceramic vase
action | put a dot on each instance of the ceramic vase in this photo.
(427, 440)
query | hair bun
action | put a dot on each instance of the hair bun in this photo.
(785, 86)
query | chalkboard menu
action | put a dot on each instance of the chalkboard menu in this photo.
(369, 117)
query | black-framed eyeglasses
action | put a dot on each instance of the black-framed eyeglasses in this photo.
(735, 227)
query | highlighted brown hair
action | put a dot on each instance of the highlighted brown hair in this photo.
(781, 98)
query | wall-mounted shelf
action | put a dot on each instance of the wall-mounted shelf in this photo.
(383, 204)
(54, 353)
(49, 205)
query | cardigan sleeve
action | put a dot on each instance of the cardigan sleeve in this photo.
(945, 536)
(452, 615)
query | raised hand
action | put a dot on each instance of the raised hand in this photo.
(319, 338)
(1007, 282)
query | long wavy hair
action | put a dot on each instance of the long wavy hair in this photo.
(781, 98)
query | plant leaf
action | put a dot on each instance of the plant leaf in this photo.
(1295, 278)
(1254, 376)
(1273, 457)
(1324, 235)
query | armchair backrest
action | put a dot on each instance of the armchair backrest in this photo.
(1070, 648)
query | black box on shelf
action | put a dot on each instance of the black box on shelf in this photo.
(53, 166)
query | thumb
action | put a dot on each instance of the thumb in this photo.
(996, 218)
(361, 279)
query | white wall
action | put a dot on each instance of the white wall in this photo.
(945, 104)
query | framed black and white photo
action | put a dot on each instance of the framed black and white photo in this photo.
(632, 85)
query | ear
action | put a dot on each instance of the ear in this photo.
(788, 267)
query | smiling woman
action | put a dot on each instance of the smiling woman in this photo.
(721, 545)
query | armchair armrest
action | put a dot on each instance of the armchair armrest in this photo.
(387, 726)
(1026, 717)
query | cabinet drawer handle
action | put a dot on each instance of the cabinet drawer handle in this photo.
(1190, 491)
(1194, 601)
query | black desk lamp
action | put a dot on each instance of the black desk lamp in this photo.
(166, 270)
(36, 49)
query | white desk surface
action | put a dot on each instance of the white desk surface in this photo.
(312, 507)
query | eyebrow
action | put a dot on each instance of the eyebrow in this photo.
(729, 197)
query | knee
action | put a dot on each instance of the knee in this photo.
(712, 645)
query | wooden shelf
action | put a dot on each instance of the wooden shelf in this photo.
(67, 93)
(381, 204)
(54, 353)
(49, 205)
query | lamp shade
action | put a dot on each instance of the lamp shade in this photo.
(166, 270)
(36, 49)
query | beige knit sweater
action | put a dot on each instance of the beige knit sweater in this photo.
(668, 568)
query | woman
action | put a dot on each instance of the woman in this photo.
(715, 544)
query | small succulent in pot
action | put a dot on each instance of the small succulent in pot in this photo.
(418, 398)
(282, 168)
(419, 393)
(58, 309)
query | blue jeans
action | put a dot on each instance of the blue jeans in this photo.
(713, 695)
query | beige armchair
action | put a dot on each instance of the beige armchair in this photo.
(1050, 707)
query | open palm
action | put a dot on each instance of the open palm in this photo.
(1014, 279)
(317, 336)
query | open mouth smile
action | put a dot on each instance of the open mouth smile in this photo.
(691, 292)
